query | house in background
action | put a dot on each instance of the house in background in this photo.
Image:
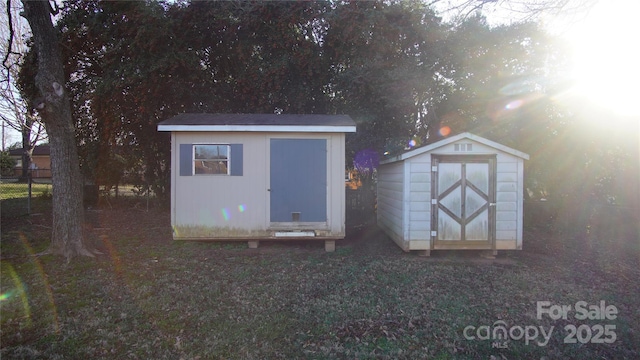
(41, 161)
(462, 192)
(256, 177)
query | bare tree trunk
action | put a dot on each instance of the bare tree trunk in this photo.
(68, 212)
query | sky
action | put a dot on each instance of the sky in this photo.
(602, 36)
(606, 52)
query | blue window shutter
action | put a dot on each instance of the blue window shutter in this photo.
(236, 160)
(186, 159)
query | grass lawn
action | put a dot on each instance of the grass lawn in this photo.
(149, 297)
(21, 190)
(14, 198)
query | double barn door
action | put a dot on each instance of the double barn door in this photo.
(463, 201)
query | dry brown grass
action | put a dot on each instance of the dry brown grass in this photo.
(149, 297)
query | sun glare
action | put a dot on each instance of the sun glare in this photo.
(607, 56)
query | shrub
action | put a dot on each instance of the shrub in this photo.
(7, 163)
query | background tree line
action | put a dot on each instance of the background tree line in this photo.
(394, 66)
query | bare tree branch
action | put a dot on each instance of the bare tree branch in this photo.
(14, 110)
(514, 10)
(10, 46)
(54, 9)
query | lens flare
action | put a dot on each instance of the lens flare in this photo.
(19, 291)
(113, 253)
(6, 295)
(444, 131)
(412, 143)
(241, 208)
(45, 283)
(366, 160)
(225, 214)
(514, 104)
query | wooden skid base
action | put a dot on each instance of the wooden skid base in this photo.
(489, 254)
(330, 245)
(253, 244)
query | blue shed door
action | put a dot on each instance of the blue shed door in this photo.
(298, 180)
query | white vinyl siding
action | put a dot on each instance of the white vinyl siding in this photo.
(420, 201)
(507, 197)
(390, 199)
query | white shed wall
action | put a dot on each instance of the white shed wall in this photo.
(203, 202)
(390, 201)
(507, 198)
(222, 206)
(420, 203)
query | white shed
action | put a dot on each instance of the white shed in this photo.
(462, 192)
(258, 176)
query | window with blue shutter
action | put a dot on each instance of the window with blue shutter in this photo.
(211, 159)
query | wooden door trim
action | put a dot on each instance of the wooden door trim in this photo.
(491, 161)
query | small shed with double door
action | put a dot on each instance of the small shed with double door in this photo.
(258, 176)
(462, 192)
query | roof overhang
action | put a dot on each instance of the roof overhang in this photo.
(258, 128)
(203, 122)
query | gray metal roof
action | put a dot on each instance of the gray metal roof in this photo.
(258, 122)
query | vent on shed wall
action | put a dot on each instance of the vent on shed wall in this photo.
(463, 147)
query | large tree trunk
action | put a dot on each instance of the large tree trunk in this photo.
(68, 212)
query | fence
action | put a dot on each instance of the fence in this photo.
(18, 198)
(138, 196)
(23, 198)
(35, 173)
